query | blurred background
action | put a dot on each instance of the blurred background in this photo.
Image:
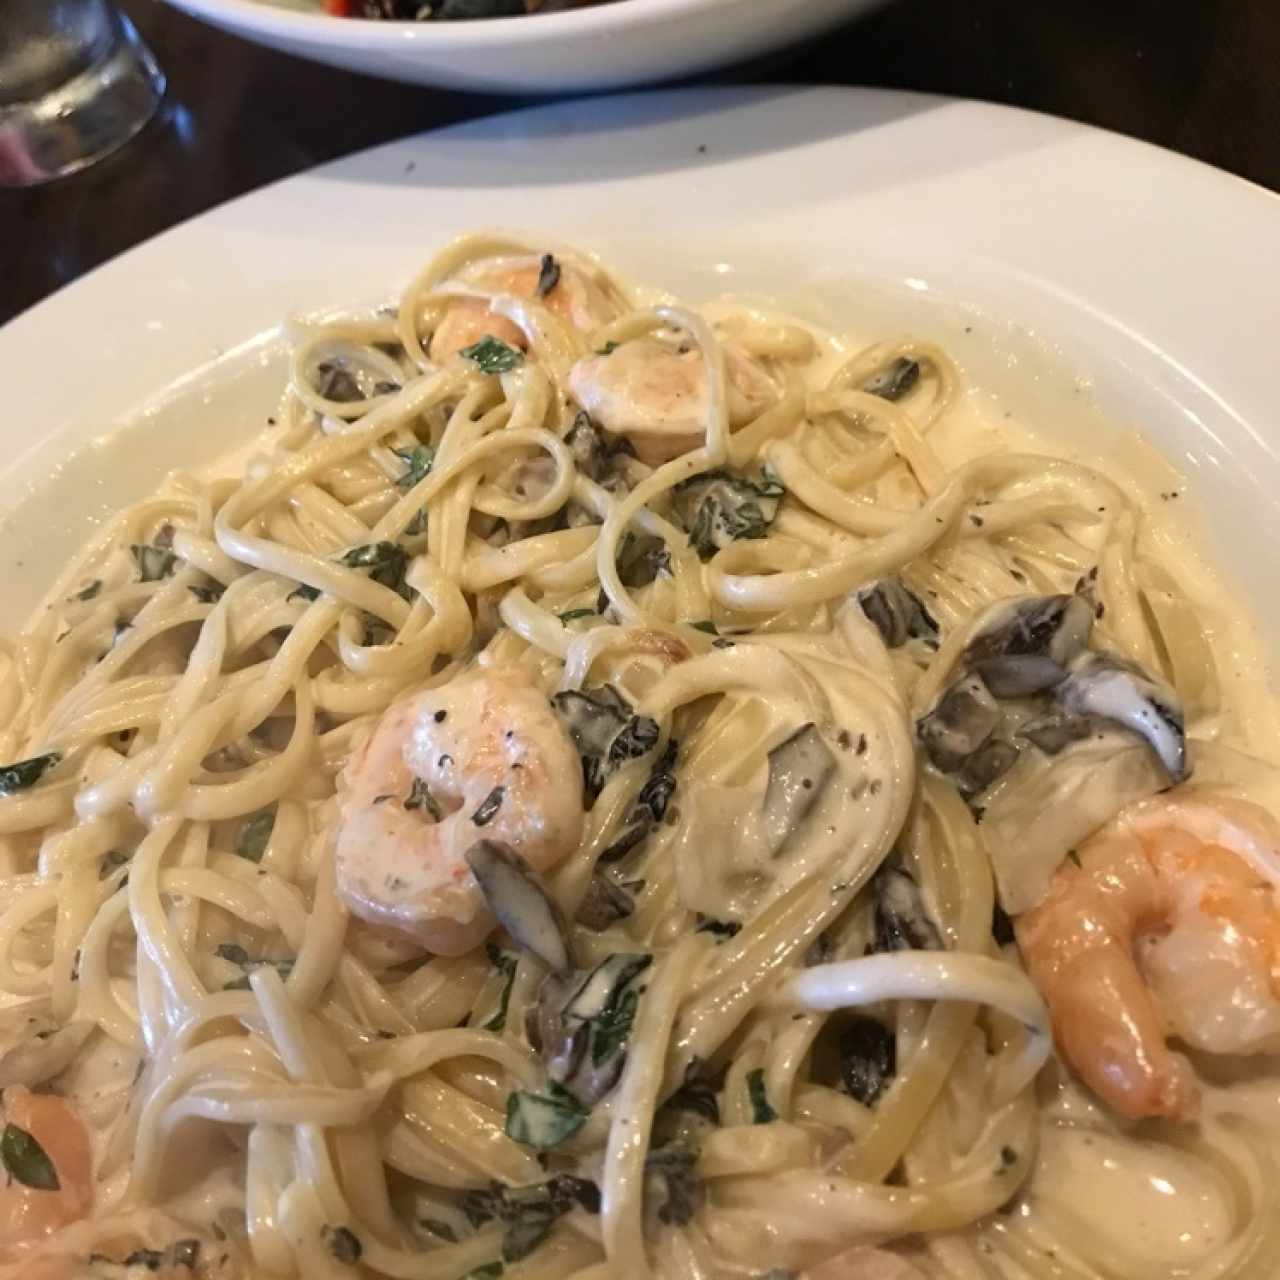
(1197, 76)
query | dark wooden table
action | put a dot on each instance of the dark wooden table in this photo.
(1199, 76)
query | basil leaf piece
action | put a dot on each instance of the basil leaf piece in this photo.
(613, 1026)
(492, 355)
(252, 840)
(572, 615)
(419, 460)
(26, 773)
(27, 1161)
(505, 964)
(153, 562)
(89, 590)
(543, 1121)
(608, 349)
(762, 1111)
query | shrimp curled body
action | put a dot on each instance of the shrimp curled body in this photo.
(484, 757)
(1168, 927)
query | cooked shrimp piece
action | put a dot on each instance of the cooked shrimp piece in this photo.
(483, 757)
(1169, 926)
(656, 394)
(162, 1248)
(574, 297)
(53, 1140)
(864, 1263)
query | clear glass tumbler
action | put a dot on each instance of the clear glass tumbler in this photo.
(76, 82)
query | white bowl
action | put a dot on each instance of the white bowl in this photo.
(598, 47)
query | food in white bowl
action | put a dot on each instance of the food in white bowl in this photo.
(600, 785)
(600, 45)
(445, 10)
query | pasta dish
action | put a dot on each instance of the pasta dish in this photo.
(612, 790)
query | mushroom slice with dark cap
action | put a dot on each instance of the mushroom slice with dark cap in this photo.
(1107, 687)
(896, 612)
(965, 717)
(1025, 646)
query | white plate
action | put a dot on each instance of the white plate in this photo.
(1149, 273)
(604, 46)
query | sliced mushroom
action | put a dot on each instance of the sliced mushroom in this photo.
(1110, 688)
(1053, 732)
(894, 380)
(604, 904)
(896, 612)
(575, 1025)
(868, 1058)
(902, 920)
(799, 770)
(965, 717)
(992, 760)
(1024, 646)
(516, 895)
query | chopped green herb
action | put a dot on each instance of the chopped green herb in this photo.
(153, 562)
(88, 591)
(492, 355)
(528, 1231)
(283, 967)
(252, 840)
(543, 1121)
(26, 773)
(26, 1160)
(548, 275)
(613, 1026)
(386, 562)
(761, 1110)
(719, 508)
(420, 797)
(207, 595)
(419, 460)
(233, 953)
(708, 626)
(572, 615)
(608, 349)
(505, 964)
(417, 525)
(441, 1230)
(372, 555)
(303, 592)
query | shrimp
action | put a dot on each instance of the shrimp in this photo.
(574, 297)
(53, 1125)
(656, 395)
(1169, 926)
(483, 757)
(864, 1263)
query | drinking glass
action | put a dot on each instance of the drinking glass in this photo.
(75, 83)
